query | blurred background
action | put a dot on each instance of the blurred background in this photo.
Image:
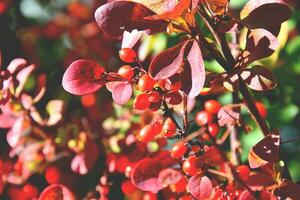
(53, 33)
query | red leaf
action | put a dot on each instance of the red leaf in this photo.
(260, 44)
(200, 187)
(267, 14)
(169, 176)
(181, 7)
(145, 173)
(122, 93)
(195, 76)
(115, 17)
(83, 77)
(167, 63)
(56, 192)
(267, 150)
(229, 114)
(288, 190)
(158, 6)
(259, 78)
(246, 195)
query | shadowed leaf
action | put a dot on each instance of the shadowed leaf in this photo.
(117, 16)
(267, 150)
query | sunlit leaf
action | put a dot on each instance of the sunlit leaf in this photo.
(194, 72)
(229, 114)
(83, 77)
(259, 78)
(122, 93)
(200, 187)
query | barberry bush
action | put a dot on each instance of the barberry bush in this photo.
(162, 99)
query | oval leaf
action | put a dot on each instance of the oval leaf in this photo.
(167, 63)
(122, 93)
(260, 14)
(83, 77)
(56, 192)
(259, 78)
(117, 16)
(169, 176)
(200, 187)
(194, 72)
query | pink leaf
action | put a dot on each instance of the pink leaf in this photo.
(22, 77)
(83, 77)
(200, 187)
(167, 63)
(131, 38)
(196, 73)
(169, 176)
(15, 133)
(16, 64)
(122, 93)
(229, 114)
(7, 120)
(259, 78)
(56, 192)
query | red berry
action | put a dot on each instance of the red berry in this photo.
(212, 106)
(213, 129)
(243, 171)
(180, 186)
(126, 71)
(53, 175)
(154, 97)
(156, 127)
(261, 109)
(178, 149)
(148, 132)
(146, 83)
(127, 187)
(189, 166)
(127, 55)
(169, 128)
(31, 191)
(141, 102)
(202, 118)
